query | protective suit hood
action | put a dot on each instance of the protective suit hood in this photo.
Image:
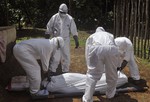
(57, 42)
(63, 8)
(122, 45)
(99, 29)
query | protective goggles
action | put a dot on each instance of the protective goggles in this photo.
(62, 12)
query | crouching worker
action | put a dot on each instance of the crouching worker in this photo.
(27, 52)
(127, 57)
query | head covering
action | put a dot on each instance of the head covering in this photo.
(122, 45)
(58, 42)
(100, 29)
(63, 8)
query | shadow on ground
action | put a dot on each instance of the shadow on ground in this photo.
(25, 97)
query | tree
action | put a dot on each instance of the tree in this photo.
(4, 13)
(131, 19)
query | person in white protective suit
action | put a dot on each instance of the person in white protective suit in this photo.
(62, 24)
(27, 52)
(101, 53)
(127, 57)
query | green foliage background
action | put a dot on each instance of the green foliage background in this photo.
(88, 14)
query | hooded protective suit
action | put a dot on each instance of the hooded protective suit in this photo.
(61, 24)
(101, 52)
(127, 53)
(27, 52)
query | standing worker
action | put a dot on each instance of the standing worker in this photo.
(62, 24)
(27, 52)
(127, 57)
(101, 53)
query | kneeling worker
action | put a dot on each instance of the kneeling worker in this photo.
(27, 52)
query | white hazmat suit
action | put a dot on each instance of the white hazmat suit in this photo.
(61, 24)
(101, 52)
(27, 52)
(127, 53)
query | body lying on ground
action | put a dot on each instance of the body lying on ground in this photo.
(71, 84)
(75, 82)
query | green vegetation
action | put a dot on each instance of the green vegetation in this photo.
(83, 35)
(36, 13)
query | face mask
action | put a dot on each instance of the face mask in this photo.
(62, 15)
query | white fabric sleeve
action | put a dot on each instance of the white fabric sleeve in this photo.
(88, 44)
(45, 57)
(128, 53)
(49, 27)
(73, 28)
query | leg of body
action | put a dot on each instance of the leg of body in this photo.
(133, 68)
(65, 56)
(94, 73)
(31, 67)
(111, 64)
(89, 90)
(54, 61)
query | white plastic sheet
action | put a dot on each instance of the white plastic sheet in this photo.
(18, 83)
(64, 83)
(75, 82)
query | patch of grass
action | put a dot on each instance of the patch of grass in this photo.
(21, 39)
(82, 36)
(144, 62)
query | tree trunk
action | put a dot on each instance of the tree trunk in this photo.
(142, 28)
(146, 28)
(127, 18)
(131, 21)
(138, 48)
(135, 26)
(70, 7)
(7, 20)
(114, 27)
(123, 15)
